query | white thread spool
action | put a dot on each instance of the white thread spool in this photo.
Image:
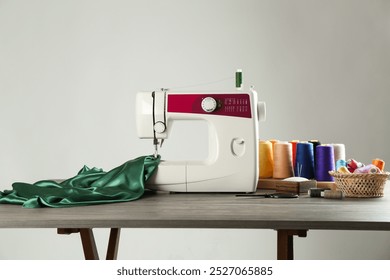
(332, 194)
(339, 151)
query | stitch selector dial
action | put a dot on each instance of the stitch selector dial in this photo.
(209, 104)
(159, 127)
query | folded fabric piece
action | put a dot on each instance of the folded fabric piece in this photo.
(90, 186)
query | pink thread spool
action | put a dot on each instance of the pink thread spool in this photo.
(368, 169)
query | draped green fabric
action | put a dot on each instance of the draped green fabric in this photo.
(90, 186)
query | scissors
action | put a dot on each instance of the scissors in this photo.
(269, 195)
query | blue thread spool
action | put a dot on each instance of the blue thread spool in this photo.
(340, 163)
(304, 161)
(324, 163)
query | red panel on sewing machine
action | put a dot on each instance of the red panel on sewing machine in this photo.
(234, 105)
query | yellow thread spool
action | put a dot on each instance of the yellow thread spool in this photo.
(344, 170)
(266, 159)
(379, 163)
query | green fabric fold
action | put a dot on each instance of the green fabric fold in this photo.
(89, 187)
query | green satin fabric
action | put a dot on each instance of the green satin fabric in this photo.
(90, 186)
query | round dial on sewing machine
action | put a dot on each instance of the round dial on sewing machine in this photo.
(159, 127)
(209, 104)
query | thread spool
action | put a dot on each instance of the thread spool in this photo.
(343, 169)
(273, 141)
(266, 159)
(379, 163)
(239, 79)
(339, 152)
(304, 166)
(332, 194)
(368, 169)
(315, 144)
(316, 192)
(294, 150)
(352, 165)
(324, 163)
(341, 163)
(283, 167)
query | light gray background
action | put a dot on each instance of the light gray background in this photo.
(69, 72)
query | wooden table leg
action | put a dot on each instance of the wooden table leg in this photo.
(113, 244)
(285, 250)
(87, 240)
(89, 244)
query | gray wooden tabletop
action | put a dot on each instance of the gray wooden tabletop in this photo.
(182, 210)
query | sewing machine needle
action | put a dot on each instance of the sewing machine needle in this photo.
(155, 151)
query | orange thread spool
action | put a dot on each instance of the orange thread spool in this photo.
(379, 163)
(283, 167)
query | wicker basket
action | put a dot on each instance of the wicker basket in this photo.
(360, 185)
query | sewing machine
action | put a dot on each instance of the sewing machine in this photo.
(232, 118)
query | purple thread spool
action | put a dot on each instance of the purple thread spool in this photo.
(304, 161)
(324, 163)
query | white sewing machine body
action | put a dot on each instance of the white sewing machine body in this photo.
(232, 118)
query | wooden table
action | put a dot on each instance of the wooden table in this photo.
(289, 217)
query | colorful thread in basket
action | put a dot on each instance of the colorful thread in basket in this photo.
(356, 167)
(361, 185)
